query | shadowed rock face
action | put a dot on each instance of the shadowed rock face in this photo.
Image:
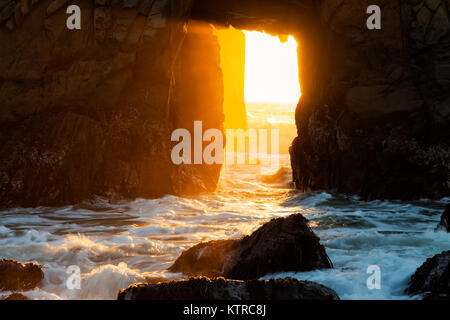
(16, 276)
(375, 121)
(432, 279)
(221, 289)
(90, 112)
(281, 245)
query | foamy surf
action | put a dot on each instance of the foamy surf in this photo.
(117, 244)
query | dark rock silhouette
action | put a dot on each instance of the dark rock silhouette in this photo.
(17, 276)
(283, 244)
(444, 224)
(376, 122)
(221, 289)
(432, 278)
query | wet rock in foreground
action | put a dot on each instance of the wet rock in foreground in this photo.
(281, 245)
(17, 276)
(221, 289)
(432, 279)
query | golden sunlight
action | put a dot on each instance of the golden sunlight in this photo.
(271, 69)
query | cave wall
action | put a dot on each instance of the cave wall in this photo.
(377, 121)
(90, 112)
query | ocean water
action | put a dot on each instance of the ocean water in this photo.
(273, 116)
(117, 244)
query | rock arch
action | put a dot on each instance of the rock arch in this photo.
(90, 112)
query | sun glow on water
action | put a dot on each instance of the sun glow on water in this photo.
(271, 69)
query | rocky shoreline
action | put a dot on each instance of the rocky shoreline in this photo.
(230, 269)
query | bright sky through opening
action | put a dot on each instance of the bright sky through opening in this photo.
(271, 69)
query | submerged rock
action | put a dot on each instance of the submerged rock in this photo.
(17, 276)
(283, 244)
(221, 289)
(444, 224)
(432, 279)
(283, 174)
(14, 296)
